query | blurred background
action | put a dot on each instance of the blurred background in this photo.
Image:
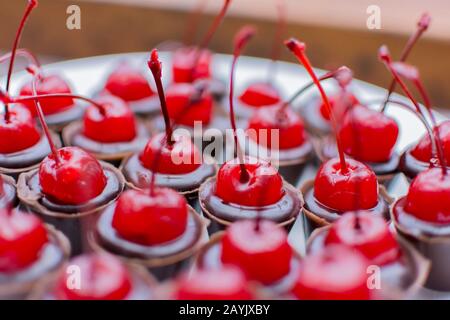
(336, 31)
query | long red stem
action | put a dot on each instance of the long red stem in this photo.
(279, 35)
(193, 22)
(298, 49)
(216, 23)
(30, 6)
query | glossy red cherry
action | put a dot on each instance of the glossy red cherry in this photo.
(290, 127)
(263, 187)
(368, 234)
(150, 219)
(128, 84)
(422, 151)
(74, 178)
(428, 197)
(226, 283)
(249, 248)
(22, 237)
(334, 273)
(260, 94)
(333, 103)
(49, 84)
(190, 64)
(355, 189)
(186, 104)
(361, 131)
(19, 132)
(102, 277)
(181, 157)
(114, 122)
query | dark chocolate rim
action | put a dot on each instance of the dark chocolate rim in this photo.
(22, 288)
(414, 257)
(18, 171)
(321, 222)
(31, 199)
(10, 180)
(157, 262)
(186, 193)
(226, 223)
(142, 276)
(75, 127)
(59, 126)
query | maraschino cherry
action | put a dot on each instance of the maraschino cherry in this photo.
(103, 277)
(335, 273)
(22, 238)
(423, 149)
(244, 180)
(338, 179)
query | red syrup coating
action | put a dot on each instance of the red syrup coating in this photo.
(334, 273)
(226, 283)
(49, 84)
(102, 277)
(260, 94)
(150, 218)
(263, 187)
(423, 149)
(190, 64)
(428, 198)
(113, 122)
(19, 132)
(361, 133)
(22, 237)
(354, 189)
(72, 176)
(323, 108)
(250, 247)
(290, 127)
(368, 234)
(128, 84)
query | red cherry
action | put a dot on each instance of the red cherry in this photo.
(367, 233)
(334, 273)
(189, 64)
(355, 189)
(260, 94)
(185, 106)
(361, 131)
(428, 197)
(288, 123)
(226, 283)
(263, 187)
(114, 122)
(49, 84)
(102, 277)
(19, 132)
(250, 248)
(332, 99)
(75, 177)
(128, 84)
(422, 151)
(150, 219)
(22, 237)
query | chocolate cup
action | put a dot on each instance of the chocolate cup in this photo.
(15, 171)
(313, 221)
(9, 197)
(325, 148)
(434, 248)
(59, 120)
(416, 264)
(143, 283)
(315, 124)
(218, 224)
(75, 225)
(410, 166)
(270, 291)
(111, 152)
(162, 267)
(20, 289)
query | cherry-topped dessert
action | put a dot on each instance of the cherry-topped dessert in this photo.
(177, 162)
(341, 183)
(29, 250)
(109, 130)
(101, 277)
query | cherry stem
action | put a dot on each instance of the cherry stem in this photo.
(422, 26)
(155, 67)
(216, 23)
(357, 224)
(241, 39)
(278, 37)
(298, 49)
(192, 24)
(30, 6)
